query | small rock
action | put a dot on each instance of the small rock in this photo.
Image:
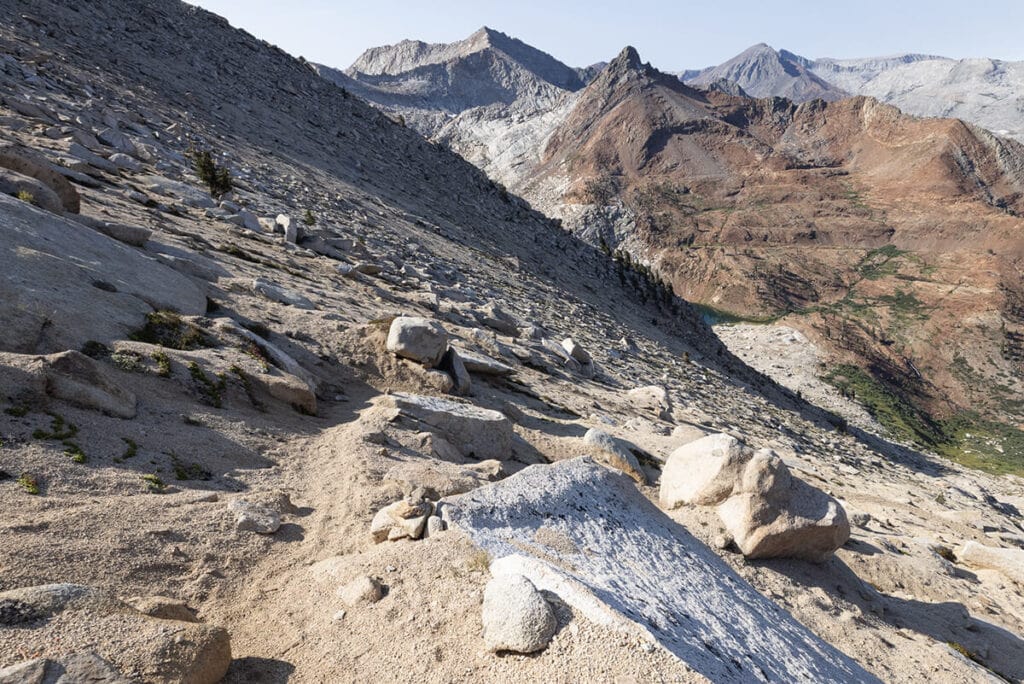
(252, 517)
(163, 607)
(361, 590)
(516, 616)
(575, 351)
(402, 519)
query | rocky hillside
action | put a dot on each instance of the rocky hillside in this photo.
(861, 223)
(278, 375)
(986, 92)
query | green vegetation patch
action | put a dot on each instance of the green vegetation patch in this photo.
(966, 438)
(211, 390)
(168, 329)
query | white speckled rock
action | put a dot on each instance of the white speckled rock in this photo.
(516, 617)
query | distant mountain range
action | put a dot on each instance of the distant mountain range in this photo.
(986, 92)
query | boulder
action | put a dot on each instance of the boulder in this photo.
(653, 398)
(400, 520)
(451, 363)
(516, 617)
(28, 162)
(476, 432)
(159, 650)
(361, 590)
(77, 379)
(495, 318)
(85, 666)
(418, 339)
(1010, 562)
(587, 534)
(614, 453)
(123, 161)
(772, 514)
(703, 472)
(63, 284)
(118, 140)
(31, 190)
(92, 159)
(136, 236)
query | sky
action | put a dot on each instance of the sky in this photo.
(670, 34)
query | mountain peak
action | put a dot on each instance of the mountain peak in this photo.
(628, 59)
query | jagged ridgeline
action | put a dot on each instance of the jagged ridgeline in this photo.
(289, 393)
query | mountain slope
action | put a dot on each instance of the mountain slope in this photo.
(226, 462)
(864, 223)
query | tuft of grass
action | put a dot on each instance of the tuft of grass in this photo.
(254, 350)
(74, 452)
(17, 411)
(168, 329)
(163, 363)
(59, 429)
(309, 218)
(132, 449)
(966, 438)
(258, 328)
(250, 391)
(29, 483)
(26, 196)
(211, 390)
(189, 471)
(154, 484)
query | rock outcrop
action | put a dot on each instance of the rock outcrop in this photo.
(614, 547)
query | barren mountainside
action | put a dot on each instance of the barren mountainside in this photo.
(290, 393)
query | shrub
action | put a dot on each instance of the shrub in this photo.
(217, 178)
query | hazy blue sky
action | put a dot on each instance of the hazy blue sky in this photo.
(672, 35)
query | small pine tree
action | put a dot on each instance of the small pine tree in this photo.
(217, 178)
